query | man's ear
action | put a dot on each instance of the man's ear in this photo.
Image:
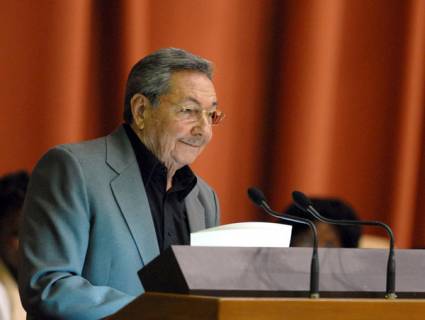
(138, 104)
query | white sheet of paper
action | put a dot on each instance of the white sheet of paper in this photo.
(244, 234)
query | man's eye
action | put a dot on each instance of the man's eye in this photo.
(187, 111)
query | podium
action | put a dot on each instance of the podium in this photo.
(272, 283)
(168, 306)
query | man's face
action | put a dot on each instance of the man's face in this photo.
(177, 141)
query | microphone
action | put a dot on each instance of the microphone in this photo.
(259, 199)
(304, 203)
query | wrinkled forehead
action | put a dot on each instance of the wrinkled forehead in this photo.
(192, 86)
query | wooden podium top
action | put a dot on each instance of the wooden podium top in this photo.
(164, 306)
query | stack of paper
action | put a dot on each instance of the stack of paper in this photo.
(244, 234)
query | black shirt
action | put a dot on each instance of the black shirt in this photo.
(167, 207)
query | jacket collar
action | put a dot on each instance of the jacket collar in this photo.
(130, 194)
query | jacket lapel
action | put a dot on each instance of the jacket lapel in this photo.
(195, 211)
(130, 194)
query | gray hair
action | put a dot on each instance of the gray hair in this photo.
(151, 75)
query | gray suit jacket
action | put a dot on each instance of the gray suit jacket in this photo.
(87, 229)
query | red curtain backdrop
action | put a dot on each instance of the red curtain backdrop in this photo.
(324, 96)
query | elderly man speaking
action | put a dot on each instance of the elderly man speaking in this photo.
(98, 211)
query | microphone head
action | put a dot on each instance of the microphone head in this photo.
(257, 196)
(301, 200)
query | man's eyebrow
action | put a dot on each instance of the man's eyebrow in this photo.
(194, 100)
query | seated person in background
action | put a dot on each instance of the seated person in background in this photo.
(12, 193)
(330, 236)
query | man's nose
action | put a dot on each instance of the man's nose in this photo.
(202, 125)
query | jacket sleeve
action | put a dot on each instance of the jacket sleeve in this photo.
(53, 243)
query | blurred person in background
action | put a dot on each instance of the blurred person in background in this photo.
(330, 236)
(12, 192)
